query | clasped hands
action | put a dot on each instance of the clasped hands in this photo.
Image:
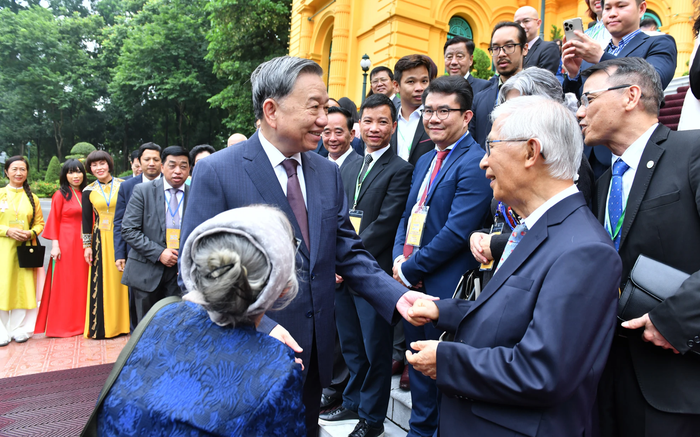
(425, 359)
(19, 234)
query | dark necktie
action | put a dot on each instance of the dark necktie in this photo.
(615, 210)
(296, 199)
(441, 155)
(368, 161)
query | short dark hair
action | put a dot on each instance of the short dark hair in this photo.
(175, 151)
(134, 155)
(71, 166)
(345, 113)
(379, 69)
(410, 62)
(99, 155)
(196, 150)
(460, 39)
(450, 85)
(377, 100)
(637, 71)
(648, 22)
(148, 146)
(522, 36)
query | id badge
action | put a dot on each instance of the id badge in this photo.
(106, 220)
(416, 224)
(496, 229)
(356, 219)
(172, 238)
(17, 224)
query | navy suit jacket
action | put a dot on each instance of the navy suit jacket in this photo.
(242, 176)
(484, 102)
(529, 352)
(357, 145)
(121, 249)
(477, 84)
(458, 203)
(543, 54)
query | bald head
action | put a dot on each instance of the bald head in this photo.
(235, 139)
(529, 19)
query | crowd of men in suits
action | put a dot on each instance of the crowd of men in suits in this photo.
(383, 203)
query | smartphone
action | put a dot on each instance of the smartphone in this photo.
(570, 26)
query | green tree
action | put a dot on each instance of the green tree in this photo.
(53, 172)
(244, 33)
(555, 33)
(482, 65)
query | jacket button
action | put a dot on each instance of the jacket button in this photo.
(691, 343)
(313, 277)
(310, 314)
(697, 339)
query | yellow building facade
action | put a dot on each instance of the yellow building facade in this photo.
(337, 33)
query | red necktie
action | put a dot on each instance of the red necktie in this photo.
(296, 199)
(441, 155)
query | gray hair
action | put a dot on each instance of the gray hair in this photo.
(275, 79)
(549, 122)
(533, 81)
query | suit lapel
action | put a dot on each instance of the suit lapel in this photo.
(263, 176)
(652, 153)
(459, 150)
(417, 138)
(377, 168)
(159, 196)
(314, 205)
(632, 45)
(531, 53)
(602, 195)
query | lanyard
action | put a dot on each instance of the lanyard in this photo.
(107, 201)
(508, 215)
(360, 180)
(167, 205)
(79, 202)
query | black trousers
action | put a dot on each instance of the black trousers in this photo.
(141, 301)
(311, 393)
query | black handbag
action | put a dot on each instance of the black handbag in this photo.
(31, 257)
(468, 288)
(650, 283)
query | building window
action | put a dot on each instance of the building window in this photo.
(653, 16)
(459, 27)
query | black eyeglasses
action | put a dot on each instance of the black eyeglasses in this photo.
(508, 49)
(585, 100)
(489, 142)
(441, 113)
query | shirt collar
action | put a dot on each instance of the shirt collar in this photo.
(341, 158)
(417, 113)
(466, 76)
(633, 154)
(273, 153)
(542, 209)
(532, 42)
(378, 153)
(452, 146)
(167, 186)
(623, 42)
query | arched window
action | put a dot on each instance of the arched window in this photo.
(459, 27)
(653, 16)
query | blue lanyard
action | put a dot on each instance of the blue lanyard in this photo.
(167, 205)
(107, 201)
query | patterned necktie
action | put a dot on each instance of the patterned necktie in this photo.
(517, 235)
(615, 210)
(365, 166)
(441, 155)
(172, 221)
(296, 199)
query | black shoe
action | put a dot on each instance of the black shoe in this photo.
(363, 429)
(327, 402)
(340, 413)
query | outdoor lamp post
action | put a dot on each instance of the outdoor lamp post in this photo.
(365, 63)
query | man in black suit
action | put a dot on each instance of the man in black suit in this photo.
(459, 58)
(543, 54)
(411, 77)
(649, 203)
(135, 165)
(151, 226)
(508, 50)
(382, 82)
(338, 135)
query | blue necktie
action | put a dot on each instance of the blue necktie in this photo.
(515, 237)
(615, 209)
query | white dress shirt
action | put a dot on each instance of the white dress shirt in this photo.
(405, 131)
(342, 157)
(539, 212)
(180, 194)
(276, 157)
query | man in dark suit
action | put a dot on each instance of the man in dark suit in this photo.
(459, 58)
(337, 137)
(149, 157)
(508, 49)
(529, 351)
(135, 165)
(376, 189)
(151, 226)
(382, 82)
(649, 204)
(621, 18)
(451, 196)
(290, 100)
(543, 54)
(411, 77)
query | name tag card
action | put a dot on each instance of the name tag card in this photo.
(496, 229)
(17, 224)
(416, 224)
(172, 238)
(356, 219)
(106, 221)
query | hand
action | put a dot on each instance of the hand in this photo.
(406, 302)
(480, 245)
(55, 251)
(425, 360)
(570, 60)
(168, 257)
(338, 279)
(88, 255)
(395, 270)
(120, 263)
(587, 48)
(285, 337)
(18, 234)
(651, 334)
(424, 309)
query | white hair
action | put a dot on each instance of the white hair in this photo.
(549, 122)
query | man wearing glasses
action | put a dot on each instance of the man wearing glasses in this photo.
(449, 199)
(382, 82)
(508, 49)
(543, 54)
(459, 58)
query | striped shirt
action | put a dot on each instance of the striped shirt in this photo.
(615, 51)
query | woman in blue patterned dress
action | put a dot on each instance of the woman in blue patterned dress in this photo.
(201, 368)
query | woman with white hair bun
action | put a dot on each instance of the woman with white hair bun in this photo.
(200, 367)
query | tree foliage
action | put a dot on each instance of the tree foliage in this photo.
(555, 33)
(53, 172)
(482, 65)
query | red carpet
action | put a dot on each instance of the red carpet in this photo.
(51, 404)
